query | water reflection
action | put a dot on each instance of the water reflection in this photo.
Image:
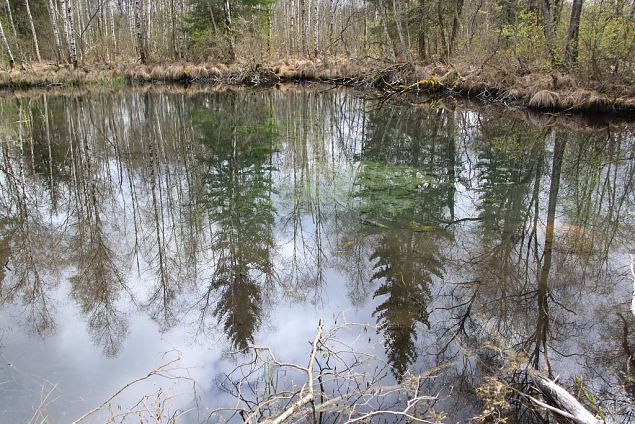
(215, 212)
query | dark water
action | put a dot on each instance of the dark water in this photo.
(138, 227)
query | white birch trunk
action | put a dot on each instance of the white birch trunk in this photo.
(139, 23)
(15, 32)
(56, 30)
(6, 46)
(69, 23)
(316, 27)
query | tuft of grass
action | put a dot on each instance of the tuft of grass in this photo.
(545, 100)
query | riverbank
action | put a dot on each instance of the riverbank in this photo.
(553, 91)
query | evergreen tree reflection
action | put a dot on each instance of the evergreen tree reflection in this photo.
(405, 188)
(240, 136)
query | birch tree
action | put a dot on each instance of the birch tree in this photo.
(56, 30)
(69, 30)
(36, 45)
(227, 10)
(140, 30)
(5, 42)
(14, 31)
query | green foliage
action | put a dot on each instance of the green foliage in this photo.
(525, 43)
(405, 263)
(238, 194)
(390, 194)
(590, 398)
(210, 37)
(606, 42)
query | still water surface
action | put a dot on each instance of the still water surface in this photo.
(139, 226)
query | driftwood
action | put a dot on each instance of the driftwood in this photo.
(560, 402)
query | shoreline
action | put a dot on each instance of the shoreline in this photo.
(548, 92)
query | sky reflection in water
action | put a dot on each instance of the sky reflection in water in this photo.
(138, 223)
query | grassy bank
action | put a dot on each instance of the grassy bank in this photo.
(546, 92)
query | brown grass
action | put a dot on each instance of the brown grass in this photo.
(545, 100)
(549, 91)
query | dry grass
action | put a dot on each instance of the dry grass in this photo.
(545, 100)
(549, 91)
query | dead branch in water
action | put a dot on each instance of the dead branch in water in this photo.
(338, 381)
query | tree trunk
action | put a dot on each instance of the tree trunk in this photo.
(422, 34)
(384, 19)
(316, 27)
(550, 16)
(269, 30)
(402, 39)
(458, 12)
(56, 31)
(15, 32)
(6, 46)
(32, 25)
(442, 41)
(139, 30)
(227, 10)
(72, 43)
(302, 25)
(113, 30)
(571, 50)
(68, 24)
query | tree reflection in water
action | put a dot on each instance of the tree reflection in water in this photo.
(216, 211)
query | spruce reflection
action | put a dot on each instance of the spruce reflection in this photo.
(240, 138)
(405, 189)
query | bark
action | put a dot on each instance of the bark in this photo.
(269, 30)
(442, 38)
(211, 15)
(566, 406)
(571, 50)
(551, 16)
(72, 44)
(113, 30)
(6, 46)
(68, 24)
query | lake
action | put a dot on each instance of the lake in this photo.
(151, 237)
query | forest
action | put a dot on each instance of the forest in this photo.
(549, 54)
